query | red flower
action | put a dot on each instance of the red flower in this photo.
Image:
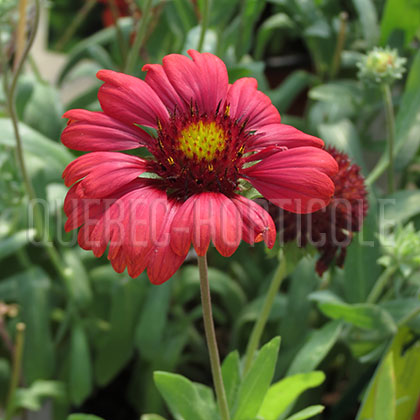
(330, 229)
(202, 135)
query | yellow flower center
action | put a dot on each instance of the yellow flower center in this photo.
(202, 140)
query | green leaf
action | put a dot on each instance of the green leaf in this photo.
(360, 271)
(193, 37)
(83, 417)
(154, 312)
(182, 397)
(408, 117)
(307, 412)
(284, 393)
(380, 400)
(343, 135)
(44, 110)
(117, 346)
(316, 348)
(402, 309)
(369, 20)
(33, 298)
(151, 417)
(403, 15)
(231, 376)
(250, 13)
(15, 242)
(256, 382)
(266, 30)
(80, 381)
(362, 315)
(78, 285)
(283, 96)
(407, 123)
(31, 398)
(401, 206)
(53, 154)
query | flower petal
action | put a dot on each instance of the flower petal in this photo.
(297, 180)
(204, 217)
(249, 104)
(257, 224)
(202, 80)
(163, 262)
(281, 135)
(96, 131)
(157, 79)
(103, 172)
(130, 99)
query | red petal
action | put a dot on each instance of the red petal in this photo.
(297, 180)
(257, 224)
(249, 104)
(96, 131)
(157, 79)
(202, 80)
(130, 99)
(281, 135)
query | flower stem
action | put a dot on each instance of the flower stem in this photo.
(339, 45)
(75, 23)
(140, 36)
(258, 329)
(120, 37)
(380, 284)
(389, 111)
(204, 24)
(211, 338)
(17, 366)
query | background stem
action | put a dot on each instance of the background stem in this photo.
(389, 112)
(140, 36)
(204, 25)
(259, 326)
(211, 338)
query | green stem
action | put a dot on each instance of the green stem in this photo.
(140, 36)
(38, 221)
(39, 225)
(75, 23)
(211, 338)
(389, 112)
(17, 366)
(339, 45)
(258, 329)
(380, 284)
(204, 25)
(120, 36)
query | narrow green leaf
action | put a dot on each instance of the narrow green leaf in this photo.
(80, 381)
(282, 394)
(15, 242)
(400, 14)
(307, 412)
(363, 315)
(115, 350)
(83, 417)
(53, 154)
(33, 298)
(181, 396)
(385, 391)
(154, 312)
(151, 417)
(369, 20)
(401, 206)
(257, 381)
(231, 376)
(316, 348)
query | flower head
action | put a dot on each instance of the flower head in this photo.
(381, 65)
(330, 230)
(201, 136)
